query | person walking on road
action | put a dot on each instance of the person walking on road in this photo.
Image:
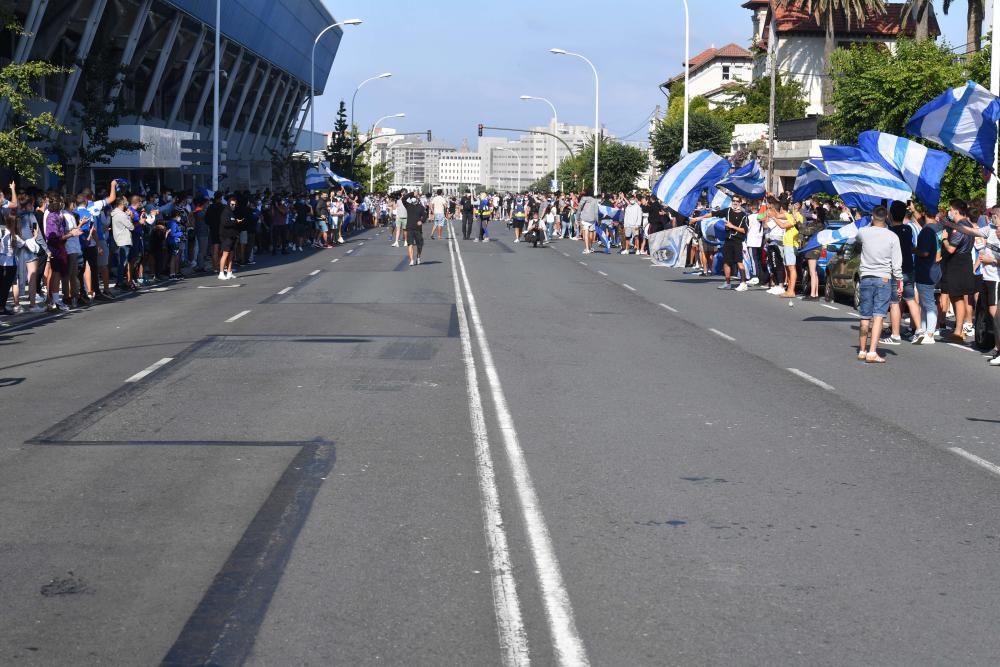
(881, 272)
(587, 215)
(485, 213)
(416, 214)
(467, 209)
(438, 206)
(400, 219)
(737, 225)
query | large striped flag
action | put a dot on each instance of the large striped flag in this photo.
(747, 181)
(316, 179)
(667, 248)
(831, 236)
(680, 188)
(713, 231)
(963, 119)
(615, 214)
(811, 180)
(922, 168)
(338, 179)
(859, 181)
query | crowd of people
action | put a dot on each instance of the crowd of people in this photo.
(60, 252)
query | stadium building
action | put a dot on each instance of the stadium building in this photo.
(166, 48)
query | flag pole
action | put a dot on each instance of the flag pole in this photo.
(991, 187)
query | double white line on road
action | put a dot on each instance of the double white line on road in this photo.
(569, 649)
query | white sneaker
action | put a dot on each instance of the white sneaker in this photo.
(222, 275)
(929, 339)
(724, 286)
(754, 281)
(396, 244)
(968, 329)
(995, 361)
(776, 290)
(412, 263)
(36, 309)
(624, 252)
(418, 260)
(230, 275)
(742, 287)
(340, 239)
(18, 309)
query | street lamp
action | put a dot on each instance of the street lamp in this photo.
(597, 108)
(312, 84)
(383, 75)
(555, 130)
(371, 163)
(510, 150)
(687, 74)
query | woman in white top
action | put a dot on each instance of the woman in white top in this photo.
(28, 257)
(10, 242)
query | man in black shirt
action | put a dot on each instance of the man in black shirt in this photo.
(737, 224)
(416, 214)
(897, 225)
(213, 219)
(467, 208)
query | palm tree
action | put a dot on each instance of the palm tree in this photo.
(922, 11)
(825, 11)
(975, 11)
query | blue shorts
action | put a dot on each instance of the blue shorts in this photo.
(439, 219)
(875, 295)
(321, 225)
(909, 292)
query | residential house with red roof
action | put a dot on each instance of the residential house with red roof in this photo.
(713, 70)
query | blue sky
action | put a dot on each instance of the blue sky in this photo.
(456, 64)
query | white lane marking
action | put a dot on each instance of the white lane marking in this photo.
(334, 261)
(285, 291)
(566, 641)
(361, 244)
(141, 374)
(826, 305)
(855, 315)
(349, 251)
(809, 378)
(602, 273)
(628, 287)
(565, 254)
(160, 289)
(665, 306)
(584, 263)
(507, 606)
(961, 347)
(983, 463)
(723, 335)
(238, 316)
(218, 286)
(313, 273)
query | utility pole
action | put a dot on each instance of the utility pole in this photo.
(991, 188)
(772, 57)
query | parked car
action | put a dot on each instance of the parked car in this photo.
(843, 274)
(826, 254)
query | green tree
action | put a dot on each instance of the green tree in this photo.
(705, 130)
(750, 102)
(877, 89)
(619, 165)
(675, 107)
(825, 12)
(23, 133)
(100, 110)
(338, 152)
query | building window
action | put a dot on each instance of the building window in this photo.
(725, 72)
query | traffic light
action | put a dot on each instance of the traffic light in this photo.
(480, 129)
(428, 136)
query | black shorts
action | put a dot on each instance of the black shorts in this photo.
(228, 243)
(732, 253)
(518, 223)
(415, 237)
(990, 289)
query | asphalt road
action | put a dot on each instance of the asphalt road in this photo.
(505, 455)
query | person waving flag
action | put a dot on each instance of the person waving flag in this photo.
(922, 168)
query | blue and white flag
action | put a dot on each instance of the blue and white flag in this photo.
(316, 179)
(668, 247)
(680, 188)
(860, 182)
(615, 214)
(922, 168)
(713, 231)
(963, 119)
(833, 236)
(747, 181)
(338, 179)
(718, 199)
(812, 180)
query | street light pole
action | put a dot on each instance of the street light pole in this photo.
(371, 163)
(215, 102)
(312, 84)
(510, 150)
(597, 109)
(555, 130)
(383, 75)
(687, 75)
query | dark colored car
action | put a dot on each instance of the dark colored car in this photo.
(843, 274)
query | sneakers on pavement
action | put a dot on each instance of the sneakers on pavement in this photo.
(995, 361)
(754, 281)
(222, 275)
(724, 286)
(968, 329)
(889, 340)
(742, 287)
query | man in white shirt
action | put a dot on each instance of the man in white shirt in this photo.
(881, 271)
(631, 224)
(438, 206)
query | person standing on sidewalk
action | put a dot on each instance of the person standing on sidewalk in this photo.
(416, 215)
(737, 225)
(881, 272)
